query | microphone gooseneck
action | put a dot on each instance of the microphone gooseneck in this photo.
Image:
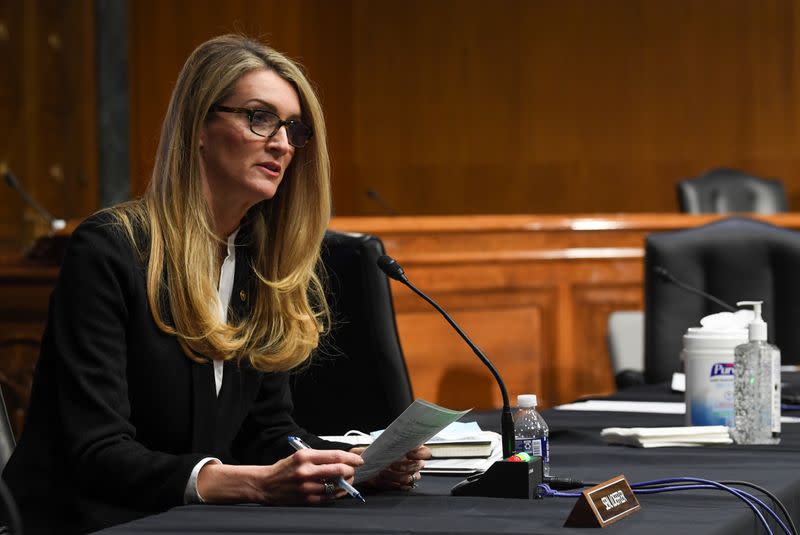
(376, 197)
(669, 277)
(13, 183)
(395, 271)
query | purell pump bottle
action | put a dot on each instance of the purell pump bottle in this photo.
(757, 386)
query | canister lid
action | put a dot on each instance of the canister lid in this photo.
(700, 339)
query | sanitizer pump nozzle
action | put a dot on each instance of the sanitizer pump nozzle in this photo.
(757, 327)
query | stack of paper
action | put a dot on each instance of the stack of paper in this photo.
(480, 444)
(659, 437)
(457, 440)
(461, 448)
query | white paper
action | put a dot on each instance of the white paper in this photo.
(678, 382)
(658, 437)
(462, 466)
(652, 407)
(418, 423)
(647, 407)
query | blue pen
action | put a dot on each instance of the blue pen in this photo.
(298, 444)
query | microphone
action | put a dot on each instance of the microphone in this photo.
(377, 199)
(13, 183)
(669, 277)
(395, 271)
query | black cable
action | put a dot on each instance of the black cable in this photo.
(771, 496)
(767, 493)
(566, 483)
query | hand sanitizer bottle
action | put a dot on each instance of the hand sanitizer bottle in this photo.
(757, 386)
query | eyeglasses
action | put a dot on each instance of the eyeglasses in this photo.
(266, 124)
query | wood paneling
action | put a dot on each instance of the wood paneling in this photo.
(534, 293)
(23, 311)
(442, 107)
(317, 33)
(47, 113)
(453, 107)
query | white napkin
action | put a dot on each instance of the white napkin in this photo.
(660, 437)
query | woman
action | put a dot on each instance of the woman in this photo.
(162, 375)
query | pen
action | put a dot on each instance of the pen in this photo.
(298, 444)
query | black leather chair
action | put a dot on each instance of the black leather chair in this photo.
(734, 260)
(728, 190)
(7, 441)
(10, 521)
(358, 378)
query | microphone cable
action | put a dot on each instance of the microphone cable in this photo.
(693, 483)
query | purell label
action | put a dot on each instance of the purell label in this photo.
(709, 390)
(722, 369)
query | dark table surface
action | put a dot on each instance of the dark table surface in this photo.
(576, 451)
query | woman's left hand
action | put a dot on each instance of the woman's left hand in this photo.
(403, 473)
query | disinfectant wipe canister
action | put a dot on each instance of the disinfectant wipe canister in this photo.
(708, 362)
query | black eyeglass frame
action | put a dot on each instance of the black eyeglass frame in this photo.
(251, 112)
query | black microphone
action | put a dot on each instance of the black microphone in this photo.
(11, 180)
(377, 199)
(395, 271)
(669, 277)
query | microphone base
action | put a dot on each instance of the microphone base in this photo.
(504, 479)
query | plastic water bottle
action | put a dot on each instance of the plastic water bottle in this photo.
(531, 432)
(757, 386)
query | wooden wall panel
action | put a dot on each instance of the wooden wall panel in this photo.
(534, 293)
(443, 367)
(47, 113)
(552, 106)
(317, 33)
(450, 107)
(25, 291)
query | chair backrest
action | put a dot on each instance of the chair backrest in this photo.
(734, 260)
(625, 338)
(7, 441)
(358, 378)
(728, 190)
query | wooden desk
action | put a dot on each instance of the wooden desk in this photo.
(24, 293)
(534, 292)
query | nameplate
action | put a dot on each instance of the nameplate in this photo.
(603, 504)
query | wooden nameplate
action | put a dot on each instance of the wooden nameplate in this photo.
(603, 504)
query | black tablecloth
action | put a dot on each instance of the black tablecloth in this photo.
(577, 451)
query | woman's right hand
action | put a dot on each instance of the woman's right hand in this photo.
(297, 479)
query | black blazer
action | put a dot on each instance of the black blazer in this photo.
(119, 415)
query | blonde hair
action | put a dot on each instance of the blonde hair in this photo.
(288, 309)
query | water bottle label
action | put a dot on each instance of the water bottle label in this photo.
(534, 446)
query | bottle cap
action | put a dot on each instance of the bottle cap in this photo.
(757, 327)
(526, 400)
